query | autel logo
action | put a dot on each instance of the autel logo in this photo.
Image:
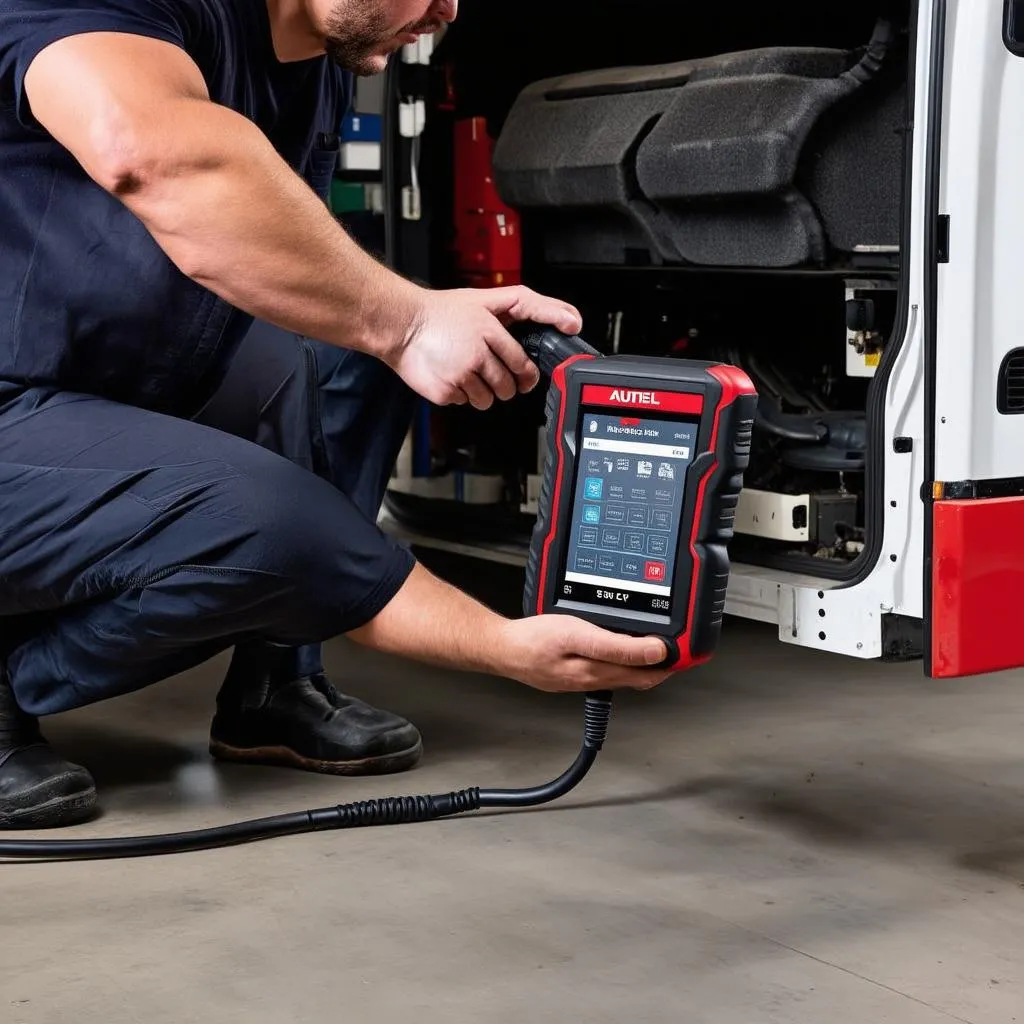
(691, 404)
(634, 397)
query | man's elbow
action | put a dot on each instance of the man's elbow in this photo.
(141, 168)
(124, 158)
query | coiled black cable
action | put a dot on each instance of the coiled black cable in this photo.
(393, 810)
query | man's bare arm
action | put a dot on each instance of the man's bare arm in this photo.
(212, 190)
(233, 216)
(432, 621)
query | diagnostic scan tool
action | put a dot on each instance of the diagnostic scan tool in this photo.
(644, 468)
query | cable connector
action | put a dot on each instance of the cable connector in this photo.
(596, 715)
(394, 810)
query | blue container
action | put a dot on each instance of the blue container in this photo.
(362, 128)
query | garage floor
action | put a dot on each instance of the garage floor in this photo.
(780, 837)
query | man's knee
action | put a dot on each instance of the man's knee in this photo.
(286, 512)
(323, 566)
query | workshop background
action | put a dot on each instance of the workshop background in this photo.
(781, 836)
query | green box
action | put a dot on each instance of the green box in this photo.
(347, 196)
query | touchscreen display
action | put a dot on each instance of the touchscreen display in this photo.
(628, 499)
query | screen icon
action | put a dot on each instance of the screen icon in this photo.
(657, 544)
(586, 563)
(637, 516)
(634, 542)
(593, 465)
(594, 488)
(631, 567)
(644, 468)
(591, 513)
(622, 465)
(654, 571)
(593, 426)
(614, 513)
(663, 494)
(666, 471)
(607, 563)
(661, 519)
(588, 536)
(611, 538)
(609, 466)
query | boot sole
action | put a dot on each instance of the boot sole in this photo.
(57, 812)
(284, 757)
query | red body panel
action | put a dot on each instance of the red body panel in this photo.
(977, 586)
(734, 383)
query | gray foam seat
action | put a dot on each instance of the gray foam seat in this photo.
(700, 162)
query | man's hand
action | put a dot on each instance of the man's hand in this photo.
(457, 349)
(560, 654)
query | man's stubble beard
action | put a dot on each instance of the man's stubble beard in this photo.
(357, 32)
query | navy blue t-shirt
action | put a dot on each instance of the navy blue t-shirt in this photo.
(88, 301)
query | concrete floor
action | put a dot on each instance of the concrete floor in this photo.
(780, 837)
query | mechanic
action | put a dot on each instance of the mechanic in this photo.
(183, 470)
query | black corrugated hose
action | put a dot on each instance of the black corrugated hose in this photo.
(392, 810)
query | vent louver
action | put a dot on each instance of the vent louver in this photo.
(1010, 389)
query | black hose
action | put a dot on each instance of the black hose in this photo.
(395, 810)
(595, 728)
(541, 794)
(791, 426)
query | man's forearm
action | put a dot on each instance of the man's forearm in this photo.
(234, 217)
(432, 621)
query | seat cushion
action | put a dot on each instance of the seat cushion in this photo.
(698, 161)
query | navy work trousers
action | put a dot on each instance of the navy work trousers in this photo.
(135, 545)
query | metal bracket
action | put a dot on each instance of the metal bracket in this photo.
(840, 620)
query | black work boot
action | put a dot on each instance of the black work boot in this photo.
(306, 723)
(38, 788)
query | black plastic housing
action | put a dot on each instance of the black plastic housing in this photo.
(714, 480)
